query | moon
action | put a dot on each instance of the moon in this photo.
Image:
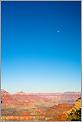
(58, 31)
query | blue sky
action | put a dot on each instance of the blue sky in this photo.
(41, 46)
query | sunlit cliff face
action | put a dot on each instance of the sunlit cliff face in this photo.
(24, 106)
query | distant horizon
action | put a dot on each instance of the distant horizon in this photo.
(29, 92)
(41, 46)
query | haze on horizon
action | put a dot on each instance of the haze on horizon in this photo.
(41, 46)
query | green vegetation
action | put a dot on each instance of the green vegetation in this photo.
(75, 115)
